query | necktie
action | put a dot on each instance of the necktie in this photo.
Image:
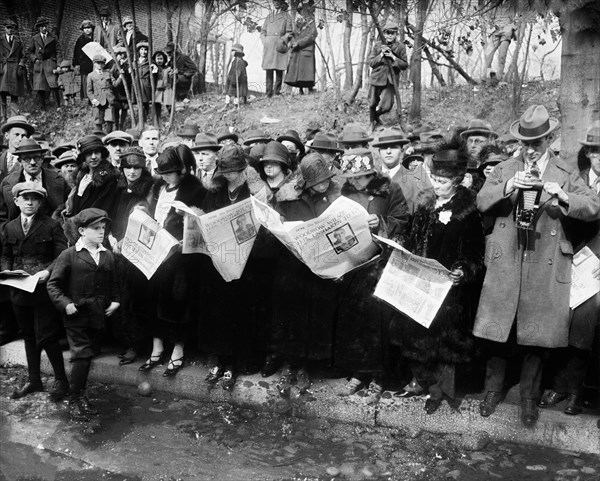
(10, 39)
(26, 225)
(10, 161)
(535, 171)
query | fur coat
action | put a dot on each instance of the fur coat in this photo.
(130, 195)
(453, 235)
(101, 193)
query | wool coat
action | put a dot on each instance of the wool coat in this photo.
(144, 71)
(529, 273)
(99, 87)
(112, 36)
(119, 84)
(56, 187)
(186, 69)
(301, 68)
(13, 75)
(412, 182)
(69, 83)
(45, 56)
(276, 25)
(100, 193)
(380, 64)
(237, 78)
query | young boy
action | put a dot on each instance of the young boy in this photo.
(83, 286)
(100, 93)
(68, 81)
(384, 57)
(121, 81)
(31, 243)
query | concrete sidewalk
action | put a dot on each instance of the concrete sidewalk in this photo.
(554, 429)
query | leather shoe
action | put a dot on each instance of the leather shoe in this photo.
(551, 398)
(573, 406)
(488, 406)
(29, 388)
(432, 405)
(271, 365)
(529, 412)
(60, 390)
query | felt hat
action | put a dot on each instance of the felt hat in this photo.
(493, 159)
(132, 157)
(592, 136)
(18, 121)
(325, 141)
(127, 19)
(479, 127)
(391, 25)
(276, 152)
(118, 135)
(86, 23)
(357, 162)
(105, 12)
(10, 23)
(169, 161)
(88, 144)
(237, 48)
(135, 133)
(41, 21)
(29, 146)
(256, 136)
(410, 158)
(231, 159)
(99, 133)
(206, 141)
(28, 188)
(90, 216)
(62, 148)
(257, 151)
(451, 162)
(118, 49)
(507, 139)
(141, 44)
(354, 133)
(314, 170)
(67, 157)
(99, 59)
(390, 136)
(535, 123)
(226, 133)
(189, 131)
(294, 137)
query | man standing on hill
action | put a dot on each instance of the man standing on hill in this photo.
(275, 33)
(45, 53)
(106, 33)
(185, 69)
(12, 69)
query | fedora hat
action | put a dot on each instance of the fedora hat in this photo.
(390, 136)
(535, 123)
(325, 141)
(190, 130)
(29, 146)
(67, 157)
(206, 142)
(41, 21)
(226, 133)
(256, 136)
(62, 148)
(18, 121)
(592, 136)
(354, 133)
(479, 127)
(293, 137)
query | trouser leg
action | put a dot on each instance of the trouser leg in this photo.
(79, 377)
(269, 82)
(278, 81)
(54, 353)
(531, 372)
(495, 373)
(33, 356)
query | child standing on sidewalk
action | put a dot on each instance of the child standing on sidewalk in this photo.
(84, 287)
(31, 243)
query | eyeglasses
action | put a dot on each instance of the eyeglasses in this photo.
(472, 140)
(390, 32)
(27, 159)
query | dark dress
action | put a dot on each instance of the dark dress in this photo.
(100, 193)
(237, 71)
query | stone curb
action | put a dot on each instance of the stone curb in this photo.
(554, 429)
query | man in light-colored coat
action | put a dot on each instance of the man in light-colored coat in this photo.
(524, 305)
(276, 30)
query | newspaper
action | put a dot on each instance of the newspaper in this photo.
(146, 245)
(583, 284)
(226, 235)
(414, 285)
(331, 245)
(94, 48)
(20, 280)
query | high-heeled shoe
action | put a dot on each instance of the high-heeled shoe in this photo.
(174, 366)
(151, 362)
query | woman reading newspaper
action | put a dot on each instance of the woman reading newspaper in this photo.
(448, 228)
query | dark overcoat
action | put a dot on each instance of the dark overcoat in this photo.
(12, 67)
(79, 56)
(381, 74)
(45, 56)
(237, 78)
(301, 68)
(100, 193)
(129, 196)
(412, 182)
(529, 276)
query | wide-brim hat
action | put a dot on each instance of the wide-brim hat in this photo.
(390, 136)
(294, 137)
(314, 169)
(479, 127)
(256, 136)
(225, 134)
(409, 158)
(206, 141)
(28, 188)
(238, 48)
(592, 136)
(88, 144)
(67, 157)
(325, 141)
(41, 21)
(231, 159)
(28, 146)
(354, 133)
(169, 161)
(62, 148)
(189, 130)
(534, 124)
(18, 121)
(357, 162)
(90, 216)
(276, 152)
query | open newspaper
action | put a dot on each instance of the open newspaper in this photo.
(226, 235)
(331, 245)
(146, 244)
(91, 49)
(414, 285)
(583, 284)
(19, 280)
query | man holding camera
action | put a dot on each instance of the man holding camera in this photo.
(524, 305)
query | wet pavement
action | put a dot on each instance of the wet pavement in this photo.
(162, 437)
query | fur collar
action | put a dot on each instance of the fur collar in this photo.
(461, 205)
(140, 187)
(255, 183)
(104, 174)
(379, 186)
(290, 190)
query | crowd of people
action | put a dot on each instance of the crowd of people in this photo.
(503, 214)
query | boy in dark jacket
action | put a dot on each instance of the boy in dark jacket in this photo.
(83, 286)
(386, 59)
(31, 243)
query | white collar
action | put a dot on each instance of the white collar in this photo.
(80, 244)
(592, 177)
(542, 163)
(393, 171)
(23, 217)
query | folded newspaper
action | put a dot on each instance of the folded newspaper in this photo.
(226, 235)
(146, 244)
(19, 279)
(331, 245)
(414, 285)
(583, 283)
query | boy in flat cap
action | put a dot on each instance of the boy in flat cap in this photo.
(31, 243)
(84, 288)
(100, 93)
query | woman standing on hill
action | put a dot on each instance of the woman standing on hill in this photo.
(301, 69)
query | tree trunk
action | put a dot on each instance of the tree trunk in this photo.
(346, 46)
(153, 113)
(136, 72)
(513, 69)
(579, 99)
(60, 11)
(401, 13)
(332, 66)
(415, 64)
(435, 71)
(169, 16)
(520, 78)
(205, 23)
(362, 53)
